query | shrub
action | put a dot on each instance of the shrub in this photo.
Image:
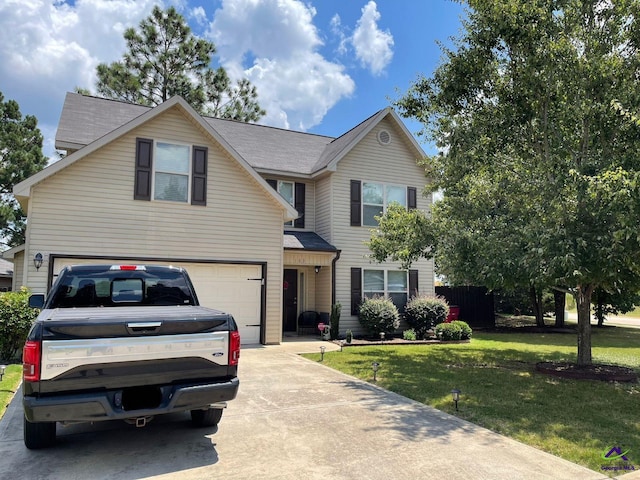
(16, 318)
(409, 334)
(457, 330)
(423, 312)
(465, 329)
(335, 320)
(379, 314)
(448, 331)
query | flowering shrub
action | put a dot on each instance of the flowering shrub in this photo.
(379, 314)
(423, 312)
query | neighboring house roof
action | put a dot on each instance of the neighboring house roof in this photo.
(11, 253)
(23, 189)
(272, 150)
(295, 240)
(6, 269)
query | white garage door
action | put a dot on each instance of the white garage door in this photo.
(235, 289)
(232, 288)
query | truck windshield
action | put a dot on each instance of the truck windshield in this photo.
(106, 287)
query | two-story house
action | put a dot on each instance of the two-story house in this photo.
(268, 222)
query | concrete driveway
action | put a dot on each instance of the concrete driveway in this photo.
(293, 419)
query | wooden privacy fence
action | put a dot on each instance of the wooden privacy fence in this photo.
(476, 304)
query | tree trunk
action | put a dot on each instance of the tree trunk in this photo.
(536, 302)
(583, 304)
(559, 299)
(599, 307)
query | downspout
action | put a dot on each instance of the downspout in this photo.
(333, 276)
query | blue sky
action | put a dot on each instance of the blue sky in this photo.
(321, 66)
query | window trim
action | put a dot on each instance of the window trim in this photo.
(384, 198)
(386, 292)
(155, 170)
(293, 197)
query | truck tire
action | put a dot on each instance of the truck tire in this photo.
(206, 418)
(39, 435)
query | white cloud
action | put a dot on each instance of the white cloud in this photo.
(374, 47)
(48, 47)
(275, 44)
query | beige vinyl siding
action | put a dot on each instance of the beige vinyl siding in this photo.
(88, 209)
(324, 208)
(18, 268)
(309, 202)
(369, 161)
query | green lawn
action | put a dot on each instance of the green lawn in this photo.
(575, 420)
(9, 386)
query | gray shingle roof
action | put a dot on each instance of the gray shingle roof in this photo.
(85, 119)
(306, 241)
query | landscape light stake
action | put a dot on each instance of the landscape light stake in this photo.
(341, 344)
(2, 369)
(375, 366)
(455, 393)
(322, 349)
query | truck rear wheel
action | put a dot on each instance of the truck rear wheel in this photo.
(39, 435)
(206, 418)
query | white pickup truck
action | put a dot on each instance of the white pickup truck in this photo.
(125, 342)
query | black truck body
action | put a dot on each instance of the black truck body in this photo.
(125, 342)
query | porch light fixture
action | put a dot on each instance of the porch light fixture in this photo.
(375, 366)
(455, 394)
(37, 261)
(2, 369)
(318, 268)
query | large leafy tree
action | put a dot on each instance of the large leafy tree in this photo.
(20, 157)
(534, 110)
(164, 59)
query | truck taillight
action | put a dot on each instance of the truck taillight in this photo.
(234, 348)
(31, 361)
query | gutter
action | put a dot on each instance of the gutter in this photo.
(333, 276)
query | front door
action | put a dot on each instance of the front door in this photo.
(290, 300)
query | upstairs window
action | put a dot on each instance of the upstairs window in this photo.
(287, 191)
(371, 199)
(376, 197)
(294, 193)
(170, 172)
(171, 179)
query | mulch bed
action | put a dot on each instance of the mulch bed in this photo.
(360, 342)
(606, 373)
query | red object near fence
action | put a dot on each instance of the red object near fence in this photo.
(454, 313)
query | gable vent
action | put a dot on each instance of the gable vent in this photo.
(384, 137)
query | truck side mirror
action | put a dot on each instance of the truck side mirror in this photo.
(36, 300)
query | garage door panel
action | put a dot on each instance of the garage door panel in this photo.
(235, 289)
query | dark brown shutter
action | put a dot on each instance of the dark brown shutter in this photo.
(356, 290)
(144, 164)
(199, 176)
(412, 198)
(299, 204)
(356, 199)
(413, 283)
(273, 183)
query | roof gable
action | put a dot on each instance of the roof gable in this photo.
(23, 189)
